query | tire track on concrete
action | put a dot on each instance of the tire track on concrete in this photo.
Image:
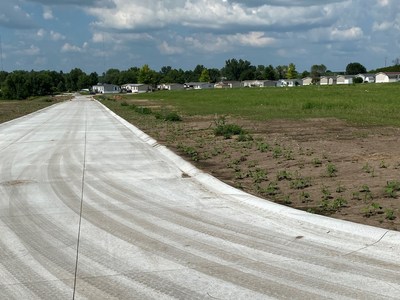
(169, 286)
(174, 255)
(234, 233)
(159, 232)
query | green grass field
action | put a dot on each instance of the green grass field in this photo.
(362, 104)
(11, 109)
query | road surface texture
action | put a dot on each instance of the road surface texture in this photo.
(92, 208)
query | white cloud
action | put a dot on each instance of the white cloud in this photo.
(165, 48)
(383, 3)
(212, 43)
(349, 34)
(56, 36)
(67, 47)
(334, 34)
(47, 13)
(31, 51)
(41, 33)
(382, 26)
(253, 39)
(138, 15)
(13, 16)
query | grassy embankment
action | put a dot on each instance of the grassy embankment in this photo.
(366, 104)
(316, 178)
(11, 109)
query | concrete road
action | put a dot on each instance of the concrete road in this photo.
(92, 208)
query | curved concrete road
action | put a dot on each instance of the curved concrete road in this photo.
(92, 208)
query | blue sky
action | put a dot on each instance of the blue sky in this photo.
(96, 35)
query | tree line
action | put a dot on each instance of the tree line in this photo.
(24, 84)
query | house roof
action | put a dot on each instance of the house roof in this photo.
(134, 84)
(390, 74)
(366, 74)
(346, 76)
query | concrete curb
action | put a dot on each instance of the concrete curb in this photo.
(372, 235)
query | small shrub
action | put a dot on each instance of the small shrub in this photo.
(143, 110)
(288, 154)
(277, 152)
(383, 165)
(263, 147)
(190, 151)
(326, 194)
(339, 203)
(258, 175)
(316, 162)
(283, 175)
(367, 168)
(356, 196)
(331, 170)
(365, 189)
(271, 190)
(389, 214)
(391, 189)
(305, 197)
(340, 189)
(242, 137)
(372, 210)
(227, 130)
(173, 117)
(286, 200)
(124, 103)
(300, 182)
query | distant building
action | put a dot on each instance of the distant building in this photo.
(386, 77)
(307, 80)
(367, 78)
(344, 79)
(258, 83)
(328, 80)
(136, 88)
(104, 88)
(289, 82)
(198, 85)
(227, 84)
(170, 86)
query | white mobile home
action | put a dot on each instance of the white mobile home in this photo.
(199, 85)
(136, 88)
(328, 80)
(366, 78)
(344, 79)
(104, 88)
(171, 86)
(386, 77)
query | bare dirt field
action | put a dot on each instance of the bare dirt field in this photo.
(323, 166)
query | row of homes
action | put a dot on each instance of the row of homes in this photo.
(382, 77)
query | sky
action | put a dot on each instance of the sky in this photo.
(96, 35)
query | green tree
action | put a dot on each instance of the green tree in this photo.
(355, 68)
(260, 72)
(281, 71)
(270, 73)
(234, 68)
(16, 86)
(291, 71)
(317, 71)
(147, 75)
(111, 76)
(72, 79)
(215, 75)
(305, 73)
(205, 76)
